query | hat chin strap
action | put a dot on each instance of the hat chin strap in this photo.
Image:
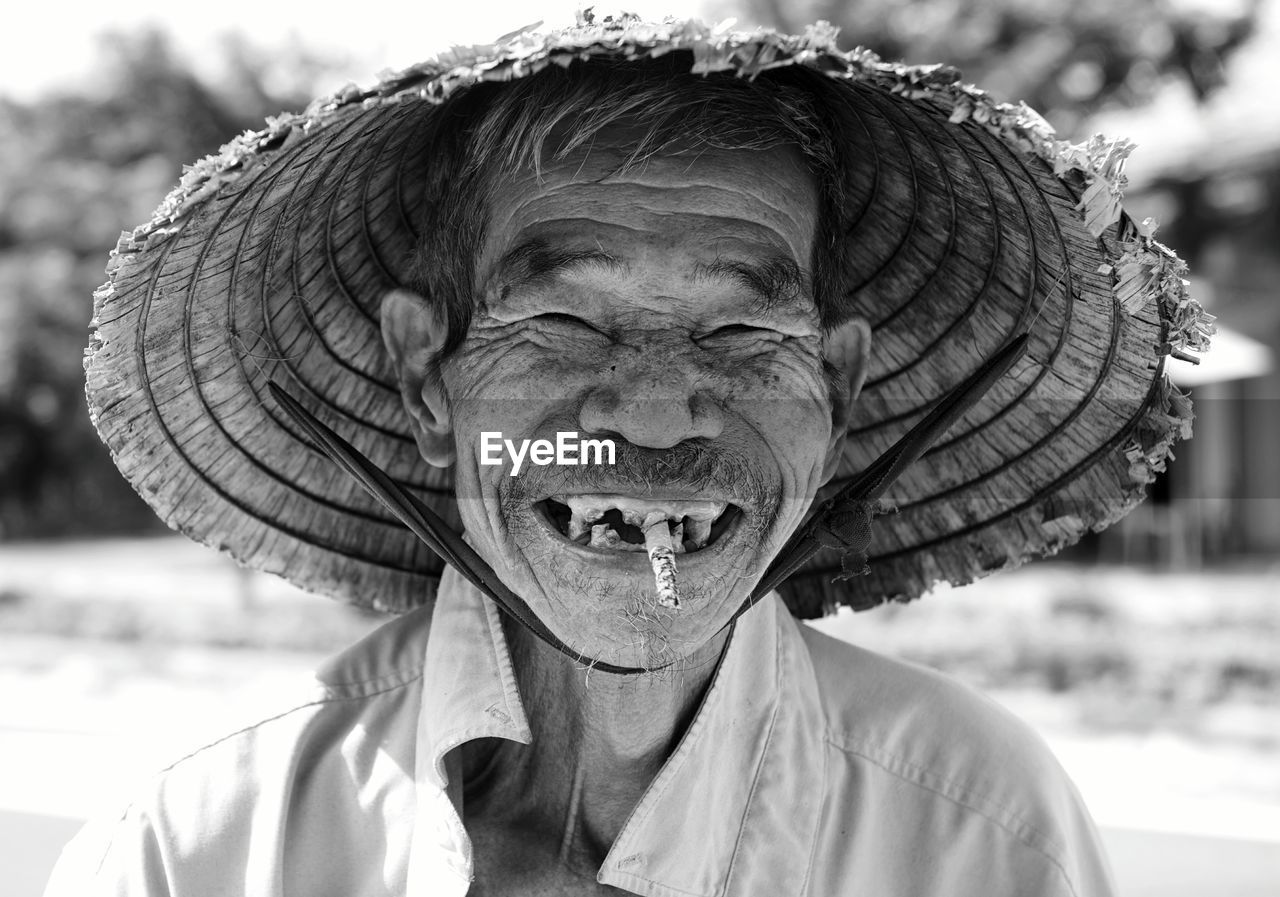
(842, 522)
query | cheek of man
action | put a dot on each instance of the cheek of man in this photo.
(627, 308)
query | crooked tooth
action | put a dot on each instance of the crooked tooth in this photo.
(677, 537)
(603, 536)
(699, 531)
(633, 516)
(578, 525)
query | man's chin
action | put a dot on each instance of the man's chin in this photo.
(614, 616)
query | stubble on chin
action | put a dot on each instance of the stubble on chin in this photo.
(621, 615)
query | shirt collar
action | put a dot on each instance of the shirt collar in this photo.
(735, 802)
(469, 686)
(735, 808)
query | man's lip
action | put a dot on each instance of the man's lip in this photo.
(733, 516)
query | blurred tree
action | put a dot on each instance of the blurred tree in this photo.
(1066, 60)
(75, 170)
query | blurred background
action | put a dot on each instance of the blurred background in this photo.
(1148, 656)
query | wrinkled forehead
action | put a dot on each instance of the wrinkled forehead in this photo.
(694, 208)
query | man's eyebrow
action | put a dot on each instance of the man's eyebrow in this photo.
(535, 261)
(774, 283)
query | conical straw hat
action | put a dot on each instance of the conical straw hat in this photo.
(967, 222)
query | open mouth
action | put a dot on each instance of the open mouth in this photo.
(618, 522)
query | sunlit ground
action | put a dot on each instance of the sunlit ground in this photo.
(1157, 692)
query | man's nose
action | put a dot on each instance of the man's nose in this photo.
(652, 408)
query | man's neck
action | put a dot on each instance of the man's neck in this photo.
(598, 742)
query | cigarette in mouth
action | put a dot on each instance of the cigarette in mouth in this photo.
(662, 555)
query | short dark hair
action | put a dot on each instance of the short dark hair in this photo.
(491, 131)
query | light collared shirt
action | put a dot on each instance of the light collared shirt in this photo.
(811, 768)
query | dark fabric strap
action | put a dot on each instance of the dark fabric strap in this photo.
(842, 522)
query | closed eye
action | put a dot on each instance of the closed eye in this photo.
(562, 320)
(740, 331)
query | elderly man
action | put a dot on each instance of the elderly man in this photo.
(678, 243)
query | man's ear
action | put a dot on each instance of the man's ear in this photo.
(847, 349)
(414, 332)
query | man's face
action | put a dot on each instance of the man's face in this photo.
(669, 309)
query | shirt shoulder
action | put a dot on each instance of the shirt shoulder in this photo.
(261, 803)
(357, 690)
(958, 763)
(916, 718)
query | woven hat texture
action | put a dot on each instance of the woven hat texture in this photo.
(969, 222)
